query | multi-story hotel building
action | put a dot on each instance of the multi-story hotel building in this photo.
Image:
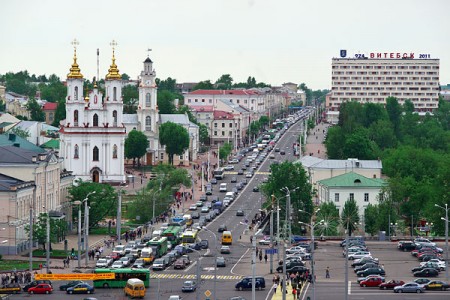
(376, 76)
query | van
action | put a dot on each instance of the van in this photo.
(223, 187)
(135, 288)
(227, 239)
(230, 195)
(246, 283)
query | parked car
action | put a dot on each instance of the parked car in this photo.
(391, 284)
(437, 285)
(427, 272)
(370, 276)
(371, 271)
(406, 245)
(81, 288)
(410, 287)
(371, 282)
(179, 264)
(41, 288)
(69, 284)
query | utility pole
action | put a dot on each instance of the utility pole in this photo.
(278, 229)
(346, 263)
(86, 229)
(48, 242)
(253, 267)
(271, 235)
(203, 176)
(31, 239)
(197, 296)
(79, 236)
(119, 218)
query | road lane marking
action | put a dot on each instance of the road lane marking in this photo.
(242, 256)
(192, 276)
(349, 287)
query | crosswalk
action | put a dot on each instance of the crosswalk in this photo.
(257, 173)
(192, 276)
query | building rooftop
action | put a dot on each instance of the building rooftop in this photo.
(10, 139)
(352, 179)
(350, 164)
(50, 106)
(220, 114)
(181, 119)
(7, 182)
(224, 92)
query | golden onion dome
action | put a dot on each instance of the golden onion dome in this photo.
(113, 72)
(75, 69)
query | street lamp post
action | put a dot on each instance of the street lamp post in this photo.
(215, 259)
(119, 215)
(47, 254)
(86, 227)
(446, 237)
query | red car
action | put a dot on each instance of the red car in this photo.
(115, 255)
(391, 284)
(371, 282)
(42, 288)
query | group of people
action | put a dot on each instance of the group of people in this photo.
(16, 277)
(296, 280)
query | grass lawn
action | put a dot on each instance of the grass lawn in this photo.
(104, 230)
(54, 254)
(10, 265)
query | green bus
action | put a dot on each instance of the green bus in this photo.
(159, 246)
(122, 275)
(173, 235)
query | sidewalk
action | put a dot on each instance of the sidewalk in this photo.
(314, 142)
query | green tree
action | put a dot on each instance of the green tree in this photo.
(263, 121)
(20, 132)
(102, 203)
(55, 91)
(335, 142)
(224, 82)
(394, 112)
(125, 77)
(169, 84)
(175, 138)
(35, 109)
(58, 229)
(204, 134)
(136, 145)
(203, 85)
(225, 151)
(60, 113)
(293, 177)
(350, 216)
(371, 214)
(166, 102)
(351, 116)
(382, 133)
(329, 213)
(373, 113)
(130, 95)
(358, 145)
(308, 92)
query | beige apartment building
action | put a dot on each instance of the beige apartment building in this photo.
(368, 79)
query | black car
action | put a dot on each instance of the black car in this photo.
(299, 269)
(364, 261)
(241, 172)
(406, 246)
(290, 265)
(203, 198)
(427, 272)
(282, 152)
(222, 228)
(213, 181)
(240, 213)
(195, 215)
(371, 271)
(233, 179)
(204, 244)
(427, 257)
(64, 287)
(365, 266)
(256, 189)
(214, 199)
(420, 268)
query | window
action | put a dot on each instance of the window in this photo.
(162, 156)
(75, 94)
(223, 125)
(95, 154)
(148, 101)
(181, 156)
(223, 133)
(336, 197)
(189, 100)
(76, 153)
(352, 196)
(95, 120)
(115, 151)
(381, 197)
(148, 123)
(115, 118)
(366, 197)
(75, 118)
(50, 117)
(114, 93)
(230, 133)
(215, 133)
(231, 125)
(215, 125)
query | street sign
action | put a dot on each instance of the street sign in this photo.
(207, 293)
(271, 251)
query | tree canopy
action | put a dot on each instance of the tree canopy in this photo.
(136, 145)
(350, 216)
(175, 138)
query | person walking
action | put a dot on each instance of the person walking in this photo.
(265, 257)
(260, 256)
(294, 292)
(274, 287)
(327, 272)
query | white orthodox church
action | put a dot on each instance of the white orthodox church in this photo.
(92, 137)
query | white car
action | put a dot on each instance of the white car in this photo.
(440, 263)
(295, 249)
(102, 263)
(117, 265)
(422, 241)
(358, 255)
(193, 207)
(249, 174)
(119, 249)
(229, 168)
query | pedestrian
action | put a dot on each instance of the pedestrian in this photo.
(265, 257)
(260, 256)
(327, 272)
(294, 292)
(274, 287)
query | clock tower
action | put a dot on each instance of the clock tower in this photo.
(148, 110)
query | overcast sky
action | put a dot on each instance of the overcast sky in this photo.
(275, 41)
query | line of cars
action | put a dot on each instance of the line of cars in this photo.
(370, 274)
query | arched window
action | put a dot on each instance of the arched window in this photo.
(95, 120)
(148, 101)
(115, 151)
(114, 93)
(148, 123)
(76, 153)
(75, 94)
(75, 118)
(95, 154)
(115, 118)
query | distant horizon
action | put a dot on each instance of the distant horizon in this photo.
(197, 40)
